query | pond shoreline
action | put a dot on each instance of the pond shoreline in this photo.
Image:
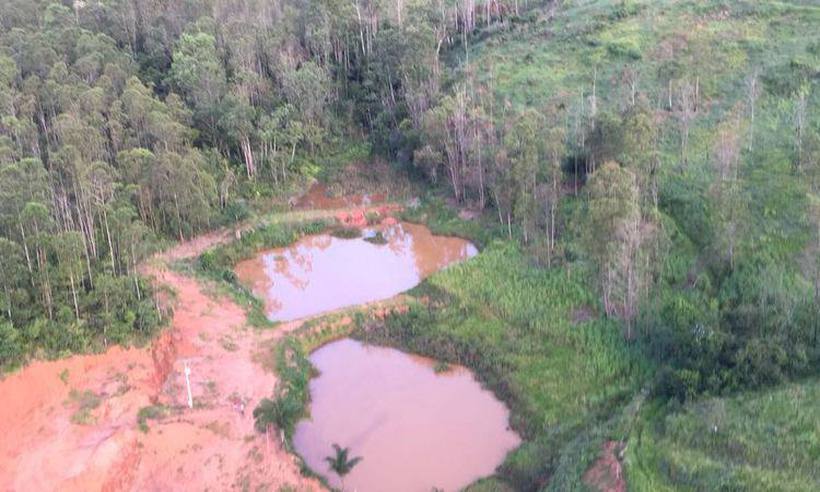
(456, 407)
(319, 330)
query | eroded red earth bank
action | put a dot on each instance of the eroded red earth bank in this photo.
(48, 443)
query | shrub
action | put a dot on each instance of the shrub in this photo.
(346, 232)
(11, 346)
(291, 394)
(152, 412)
(377, 238)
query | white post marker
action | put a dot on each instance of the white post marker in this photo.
(188, 384)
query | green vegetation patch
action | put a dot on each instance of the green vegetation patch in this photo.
(346, 232)
(377, 238)
(291, 395)
(767, 440)
(86, 401)
(151, 412)
(512, 323)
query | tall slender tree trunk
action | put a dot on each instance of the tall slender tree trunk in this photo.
(481, 198)
(110, 243)
(74, 296)
(247, 154)
(25, 248)
(8, 302)
(179, 218)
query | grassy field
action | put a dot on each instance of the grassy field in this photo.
(534, 337)
(767, 440)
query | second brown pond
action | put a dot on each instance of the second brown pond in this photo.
(322, 273)
(415, 429)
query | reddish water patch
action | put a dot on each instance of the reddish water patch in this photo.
(414, 429)
(319, 197)
(322, 273)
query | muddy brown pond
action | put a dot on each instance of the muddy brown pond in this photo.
(414, 428)
(322, 273)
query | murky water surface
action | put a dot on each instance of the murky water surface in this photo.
(414, 429)
(322, 273)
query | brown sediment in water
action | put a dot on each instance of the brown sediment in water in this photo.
(322, 273)
(415, 429)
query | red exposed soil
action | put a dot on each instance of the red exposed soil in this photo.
(361, 217)
(49, 443)
(606, 474)
(320, 197)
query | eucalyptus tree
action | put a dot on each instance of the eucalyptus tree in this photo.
(68, 247)
(500, 185)
(36, 225)
(555, 148)
(185, 192)
(238, 122)
(21, 183)
(612, 238)
(728, 192)
(200, 75)
(137, 167)
(811, 156)
(638, 152)
(13, 278)
(196, 69)
(524, 148)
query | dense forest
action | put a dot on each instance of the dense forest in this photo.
(657, 163)
(128, 123)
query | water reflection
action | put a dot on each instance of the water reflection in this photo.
(322, 273)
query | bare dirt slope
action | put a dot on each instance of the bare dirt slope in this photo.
(72, 424)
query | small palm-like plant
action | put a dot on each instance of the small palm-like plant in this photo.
(341, 463)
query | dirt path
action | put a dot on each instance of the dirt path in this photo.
(72, 424)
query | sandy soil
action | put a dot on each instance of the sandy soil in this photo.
(49, 442)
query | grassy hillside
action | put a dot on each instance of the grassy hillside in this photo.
(716, 41)
(710, 322)
(534, 337)
(768, 440)
(651, 47)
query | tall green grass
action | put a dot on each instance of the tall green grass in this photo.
(768, 440)
(719, 44)
(513, 323)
